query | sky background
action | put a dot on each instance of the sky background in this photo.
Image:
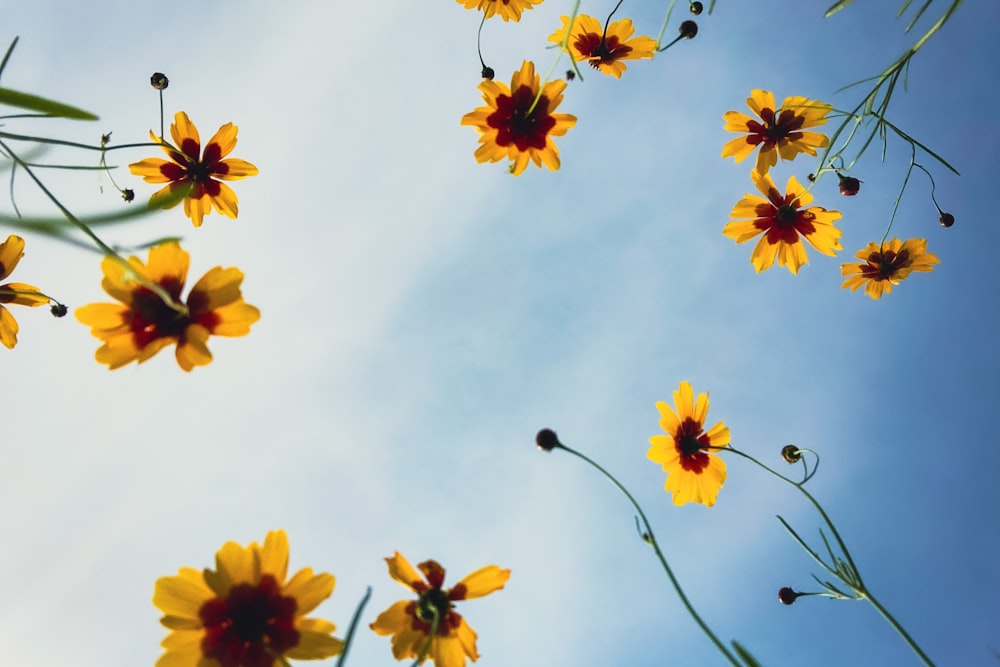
(423, 316)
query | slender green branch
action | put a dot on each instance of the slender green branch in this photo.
(349, 637)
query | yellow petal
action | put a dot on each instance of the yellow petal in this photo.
(315, 640)
(401, 570)
(309, 589)
(484, 581)
(8, 329)
(183, 595)
(11, 252)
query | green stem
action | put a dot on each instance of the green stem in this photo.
(349, 637)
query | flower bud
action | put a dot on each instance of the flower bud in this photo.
(159, 81)
(946, 220)
(849, 185)
(58, 310)
(689, 29)
(570, 75)
(128, 194)
(547, 439)
(787, 596)
(696, 8)
(791, 453)
(488, 73)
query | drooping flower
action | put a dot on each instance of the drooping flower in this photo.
(693, 473)
(508, 10)
(244, 612)
(883, 266)
(144, 323)
(11, 252)
(410, 622)
(779, 130)
(605, 51)
(189, 167)
(513, 125)
(784, 221)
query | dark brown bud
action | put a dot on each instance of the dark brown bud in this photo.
(849, 185)
(488, 73)
(689, 29)
(946, 220)
(697, 8)
(547, 439)
(570, 75)
(58, 310)
(159, 81)
(791, 453)
(128, 194)
(105, 139)
(811, 178)
(787, 596)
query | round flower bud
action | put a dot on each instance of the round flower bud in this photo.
(58, 310)
(849, 185)
(696, 8)
(159, 81)
(547, 439)
(786, 595)
(689, 29)
(570, 75)
(488, 73)
(128, 194)
(946, 220)
(791, 454)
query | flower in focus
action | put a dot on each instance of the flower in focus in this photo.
(513, 125)
(244, 613)
(508, 10)
(883, 266)
(778, 132)
(144, 323)
(784, 221)
(693, 474)
(189, 167)
(605, 51)
(410, 622)
(11, 252)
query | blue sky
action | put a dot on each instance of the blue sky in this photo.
(423, 316)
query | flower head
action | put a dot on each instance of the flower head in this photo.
(190, 167)
(604, 50)
(244, 612)
(515, 126)
(410, 622)
(11, 252)
(784, 221)
(883, 266)
(144, 323)
(779, 130)
(693, 473)
(508, 10)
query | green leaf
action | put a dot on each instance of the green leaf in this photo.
(836, 7)
(745, 655)
(21, 100)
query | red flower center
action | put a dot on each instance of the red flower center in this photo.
(150, 318)
(187, 166)
(690, 442)
(252, 619)
(884, 265)
(782, 220)
(600, 50)
(516, 125)
(774, 130)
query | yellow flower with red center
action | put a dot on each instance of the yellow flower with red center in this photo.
(23, 294)
(508, 10)
(516, 126)
(778, 130)
(693, 473)
(604, 50)
(190, 167)
(411, 622)
(244, 613)
(784, 220)
(143, 322)
(886, 264)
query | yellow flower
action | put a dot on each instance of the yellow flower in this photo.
(510, 130)
(244, 612)
(883, 266)
(605, 51)
(509, 10)
(784, 221)
(191, 168)
(410, 621)
(693, 474)
(11, 252)
(143, 323)
(779, 131)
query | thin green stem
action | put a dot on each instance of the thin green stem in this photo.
(430, 637)
(563, 47)
(666, 21)
(349, 637)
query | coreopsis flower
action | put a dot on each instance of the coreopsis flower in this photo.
(410, 622)
(245, 611)
(143, 322)
(784, 220)
(885, 265)
(188, 166)
(11, 252)
(508, 10)
(604, 50)
(513, 125)
(693, 473)
(778, 130)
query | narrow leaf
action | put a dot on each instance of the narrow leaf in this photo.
(21, 100)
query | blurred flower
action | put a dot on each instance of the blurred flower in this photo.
(508, 10)
(244, 612)
(693, 474)
(514, 126)
(11, 252)
(142, 324)
(605, 51)
(192, 168)
(884, 266)
(783, 219)
(410, 621)
(778, 131)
